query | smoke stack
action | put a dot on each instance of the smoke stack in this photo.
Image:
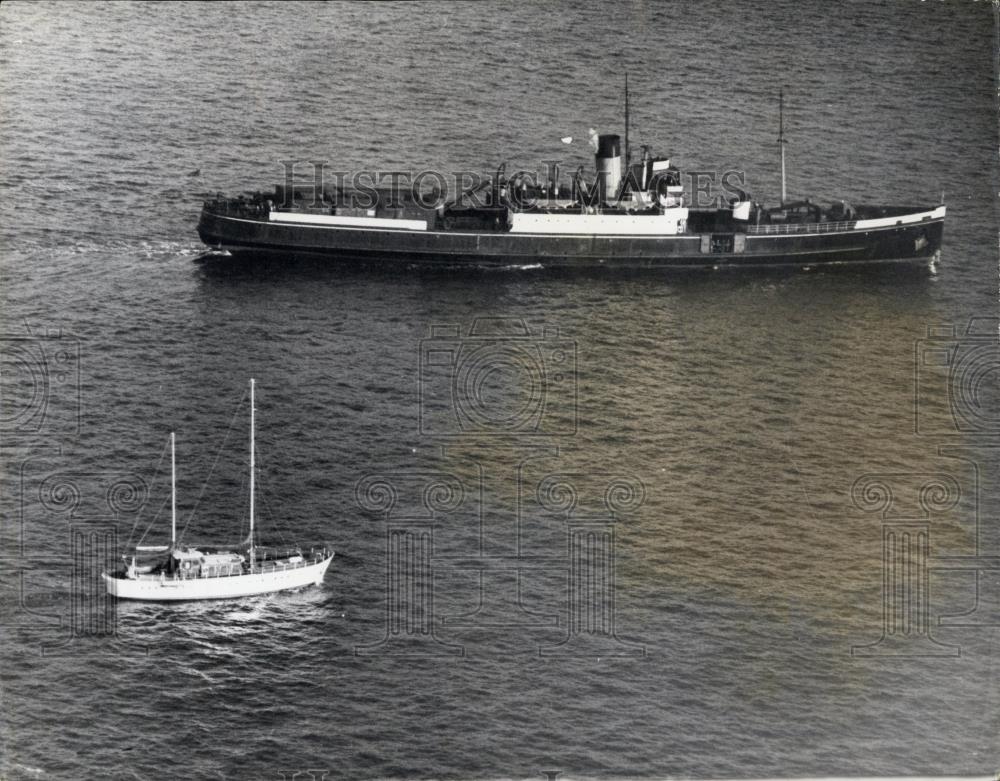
(608, 163)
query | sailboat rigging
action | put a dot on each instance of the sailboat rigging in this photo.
(213, 572)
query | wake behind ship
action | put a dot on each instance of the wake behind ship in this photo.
(631, 215)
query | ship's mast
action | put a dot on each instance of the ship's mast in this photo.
(628, 149)
(173, 495)
(252, 470)
(781, 140)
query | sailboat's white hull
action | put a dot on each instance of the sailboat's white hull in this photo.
(168, 589)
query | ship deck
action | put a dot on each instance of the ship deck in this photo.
(877, 234)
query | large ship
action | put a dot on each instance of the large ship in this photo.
(632, 214)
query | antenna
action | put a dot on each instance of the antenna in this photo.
(781, 139)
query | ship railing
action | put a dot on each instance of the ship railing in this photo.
(800, 227)
(237, 208)
(282, 566)
(314, 557)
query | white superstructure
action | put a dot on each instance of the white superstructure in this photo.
(668, 223)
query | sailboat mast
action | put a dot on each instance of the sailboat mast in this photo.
(252, 471)
(173, 495)
(781, 140)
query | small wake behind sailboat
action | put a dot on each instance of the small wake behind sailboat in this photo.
(175, 573)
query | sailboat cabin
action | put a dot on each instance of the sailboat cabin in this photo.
(192, 563)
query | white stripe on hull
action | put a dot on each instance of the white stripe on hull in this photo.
(904, 219)
(304, 218)
(152, 588)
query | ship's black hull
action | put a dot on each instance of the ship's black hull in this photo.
(914, 242)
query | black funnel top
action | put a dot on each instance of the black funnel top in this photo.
(609, 146)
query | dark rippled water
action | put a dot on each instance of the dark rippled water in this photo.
(739, 410)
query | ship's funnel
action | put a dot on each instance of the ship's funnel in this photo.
(608, 163)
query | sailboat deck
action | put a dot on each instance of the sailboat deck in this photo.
(231, 570)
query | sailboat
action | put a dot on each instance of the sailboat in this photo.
(175, 573)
